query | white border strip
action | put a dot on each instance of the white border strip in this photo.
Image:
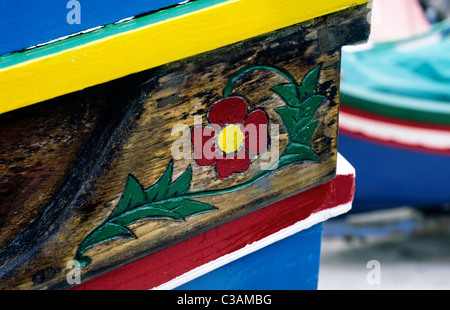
(312, 220)
(429, 138)
(343, 167)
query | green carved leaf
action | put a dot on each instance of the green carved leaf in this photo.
(108, 232)
(294, 158)
(163, 200)
(289, 94)
(301, 150)
(158, 191)
(145, 212)
(309, 107)
(181, 185)
(302, 103)
(304, 135)
(103, 233)
(132, 196)
(163, 188)
(291, 118)
(308, 86)
(187, 207)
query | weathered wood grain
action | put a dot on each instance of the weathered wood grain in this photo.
(124, 127)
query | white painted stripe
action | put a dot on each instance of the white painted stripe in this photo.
(343, 167)
(429, 138)
(312, 220)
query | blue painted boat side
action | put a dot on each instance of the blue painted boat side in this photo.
(289, 264)
(391, 177)
(27, 23)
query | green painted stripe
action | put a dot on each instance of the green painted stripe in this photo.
(401, 107)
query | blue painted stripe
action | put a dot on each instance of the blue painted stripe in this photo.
(104, 32)
(289, 264)
(25, 23)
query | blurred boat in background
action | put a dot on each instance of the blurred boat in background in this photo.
(395, 111)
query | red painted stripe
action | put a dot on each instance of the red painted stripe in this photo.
(169, 263)
(393, 144)
(392, 120)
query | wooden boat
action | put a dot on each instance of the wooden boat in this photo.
(395, 120)
(166, 138)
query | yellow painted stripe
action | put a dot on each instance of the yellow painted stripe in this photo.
(153, 45)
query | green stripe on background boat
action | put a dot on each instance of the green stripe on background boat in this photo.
(398, 106)
(408, 79)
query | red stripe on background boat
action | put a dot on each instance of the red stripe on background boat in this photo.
(389, 131)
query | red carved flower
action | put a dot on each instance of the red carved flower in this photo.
(232, 137)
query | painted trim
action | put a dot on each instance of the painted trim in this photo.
(288, 264)
(314, 219)
(27, 23)
(172, 262)
(101, 32)
(396, 106)
(431, 139)
(152, 45)
(392, 120)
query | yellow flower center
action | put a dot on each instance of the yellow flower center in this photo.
(230, 139)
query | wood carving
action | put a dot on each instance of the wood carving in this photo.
(90, 175)
(173, 200)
